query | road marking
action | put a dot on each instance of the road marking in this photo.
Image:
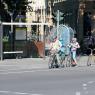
(10, 70)
(18, 93)
(20, 72)
(4, 91)
(78, 93)
(84, 85)
(91, 82)
(36, 94)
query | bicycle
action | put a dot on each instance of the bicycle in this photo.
(64, 59)
(52, 63)
(68, 60)
(67, 57)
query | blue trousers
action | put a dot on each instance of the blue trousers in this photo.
(73, 56)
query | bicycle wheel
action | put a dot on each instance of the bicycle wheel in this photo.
(52, 60)
(68, 61)
(62, 59)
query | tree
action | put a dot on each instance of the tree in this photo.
(14, 7)
(9, 10)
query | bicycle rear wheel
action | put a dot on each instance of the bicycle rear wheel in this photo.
(68, 61)
(52, 61)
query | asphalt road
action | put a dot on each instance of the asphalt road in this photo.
(67, 81)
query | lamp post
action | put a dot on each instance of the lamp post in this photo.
(11, 32)
(11, 14)
(1, 40)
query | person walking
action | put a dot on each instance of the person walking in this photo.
(87, 24)
(74, 45)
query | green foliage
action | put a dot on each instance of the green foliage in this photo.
(5, 39)
(14, 7)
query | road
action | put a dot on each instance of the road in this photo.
(66, 81)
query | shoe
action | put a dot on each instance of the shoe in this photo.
(73, 65)
(88, 64)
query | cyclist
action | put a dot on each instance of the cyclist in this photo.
(55, 46)
(74, 45)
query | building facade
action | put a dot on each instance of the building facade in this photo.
(37, 15)
(42, 11)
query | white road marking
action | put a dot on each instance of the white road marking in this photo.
(36, 94)
(78, 93)
(20, 72)
(10, 69)
(17, 93)
(91, 82)
(84, 85)
(4, 91)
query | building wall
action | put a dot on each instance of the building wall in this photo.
(36, 15)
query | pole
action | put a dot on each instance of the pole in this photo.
(44, 41)
(44, 30)
(12, 22)
(57, 23)
(1, 41)
(11, 31)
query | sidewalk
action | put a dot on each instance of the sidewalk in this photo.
(24, 63)
(36, 63)
(82, 60)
